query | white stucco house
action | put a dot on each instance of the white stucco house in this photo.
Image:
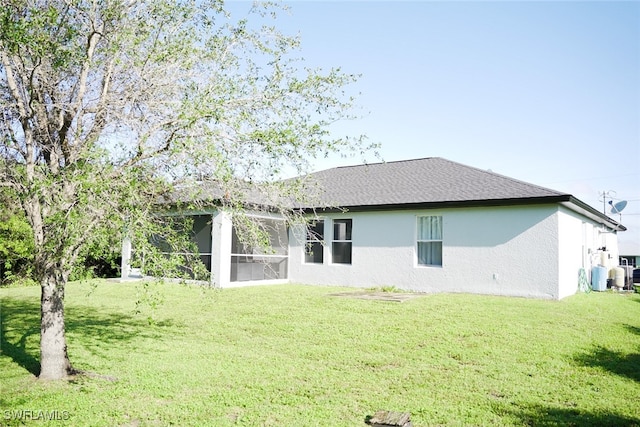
(427, 225)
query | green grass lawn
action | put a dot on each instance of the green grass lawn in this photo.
(295, 356)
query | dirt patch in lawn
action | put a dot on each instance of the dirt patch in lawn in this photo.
(379, 296)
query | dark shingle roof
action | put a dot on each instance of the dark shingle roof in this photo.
(431, 182)
(425, 181)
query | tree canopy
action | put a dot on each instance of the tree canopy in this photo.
(107, 105)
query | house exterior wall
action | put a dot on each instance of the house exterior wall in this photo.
(577, 241)
(581, 241)
(492, 250)
(580, 235)
(221, 249)
(531, 251)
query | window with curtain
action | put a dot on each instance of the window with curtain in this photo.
(314, 244)
(430, 240)
(341, 245)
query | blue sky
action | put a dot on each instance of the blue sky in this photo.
(544, 91)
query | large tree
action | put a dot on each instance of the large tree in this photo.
(108, 105)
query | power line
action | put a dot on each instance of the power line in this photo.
(592, 178)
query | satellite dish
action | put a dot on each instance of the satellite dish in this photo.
(618, 207)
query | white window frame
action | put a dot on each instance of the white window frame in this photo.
(322, 241)
(432, 240)
(334, 240)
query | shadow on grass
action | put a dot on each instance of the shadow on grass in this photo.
(623, 364)
(86, 326)
(17, 350)
(626, 365)
(541, 416)
(633, 329)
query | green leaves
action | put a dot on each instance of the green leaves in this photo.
(110, 106)
(16, 242)
(43, 31)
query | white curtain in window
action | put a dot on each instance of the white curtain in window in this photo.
(430, 253)
(430, 240)
(430, 228)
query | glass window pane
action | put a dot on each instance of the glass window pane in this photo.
(313, 252)
(430, 228)
(430, 253)
(342, 229)
(314, 244)
(341, 252)
(315, 231)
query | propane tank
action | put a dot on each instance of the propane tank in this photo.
(618, 277)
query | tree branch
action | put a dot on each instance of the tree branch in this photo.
(99, 121)
(23, 112)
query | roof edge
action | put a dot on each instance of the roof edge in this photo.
(447, 204)
(589, 211)
(566, 200)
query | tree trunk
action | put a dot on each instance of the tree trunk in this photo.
(54, 360)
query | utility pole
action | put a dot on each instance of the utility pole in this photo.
(604, 195)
